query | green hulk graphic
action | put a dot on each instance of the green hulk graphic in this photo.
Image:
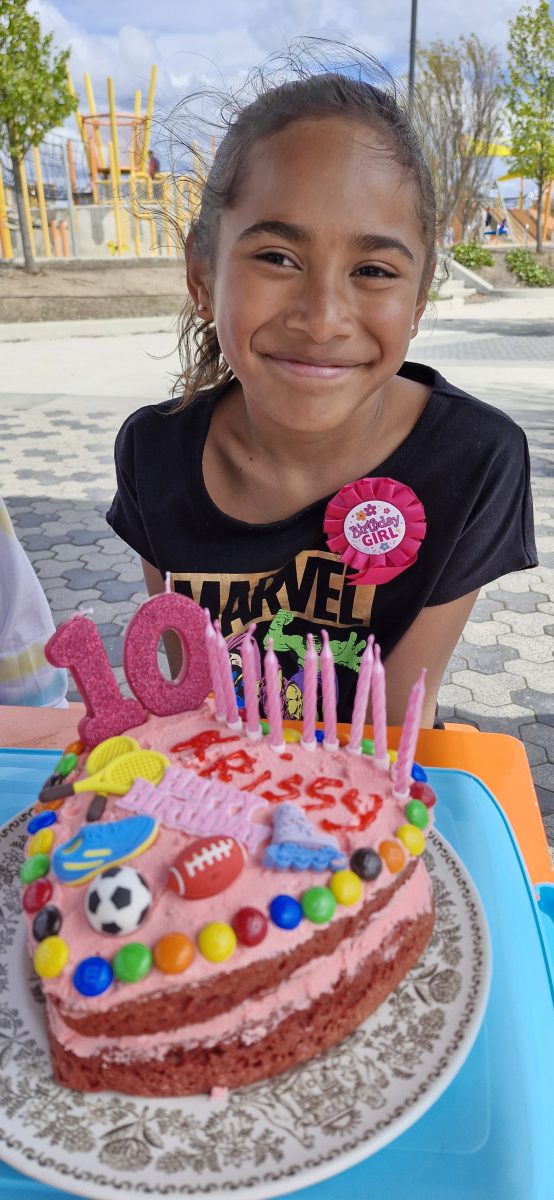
(346, 653)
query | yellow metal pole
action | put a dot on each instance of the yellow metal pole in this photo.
(27, 206)
(5, 236)
(115, 200)
(92, 110)
(547, 210)
(136, 220)
(78, 115)
(148, 121)
(113, 129)
(135, 164)
(166, 205)
(42, 203)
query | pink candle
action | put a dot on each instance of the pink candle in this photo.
(231, 710)
(408, 739)
(329, 695)
(250, 681)
(77, 645)
(309, 707)
(271, 672)
(379, 709)
(359, 715)
(210, 640)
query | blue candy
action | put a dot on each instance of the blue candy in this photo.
(419, 774)
(285, 912)
(92, 976)
(319, 735)
(42, 820)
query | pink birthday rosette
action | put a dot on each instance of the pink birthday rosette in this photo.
(377, 526)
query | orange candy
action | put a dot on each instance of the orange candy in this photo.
(75, 748)
(173, 953)
(393, 855)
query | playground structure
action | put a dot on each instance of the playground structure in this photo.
(97, 197)
(521, 217)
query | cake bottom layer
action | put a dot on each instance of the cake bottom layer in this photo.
(298, 1037)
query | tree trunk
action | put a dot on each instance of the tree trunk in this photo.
(30, 264)
(540, 186)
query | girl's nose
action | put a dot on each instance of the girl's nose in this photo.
(320, 309)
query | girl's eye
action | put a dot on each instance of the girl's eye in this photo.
(372, 271)
(276, 257)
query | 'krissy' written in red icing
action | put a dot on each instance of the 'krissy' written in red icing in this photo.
(227, 766)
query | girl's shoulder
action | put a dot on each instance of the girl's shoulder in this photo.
(459, 414)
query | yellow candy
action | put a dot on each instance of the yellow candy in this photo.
(217, 941)
(393, 755)
(412, 838)
(51, 956)
(291, 735)
(346, 887)
(41, 842)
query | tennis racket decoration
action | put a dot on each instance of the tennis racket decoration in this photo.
(115, 777)
(377, 526)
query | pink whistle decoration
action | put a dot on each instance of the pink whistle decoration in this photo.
(376, 525)
(309, 707)
(402, 768)
(210, 640)
(361, 701)
(271, 672)
(231, 711)
(379, 710)
(77, 645)
(328, 687)
(169, 610)
(250, 680)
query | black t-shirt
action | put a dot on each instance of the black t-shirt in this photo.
(467, 462)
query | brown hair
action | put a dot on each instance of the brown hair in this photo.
(319, 88)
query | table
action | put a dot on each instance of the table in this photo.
(497, 759)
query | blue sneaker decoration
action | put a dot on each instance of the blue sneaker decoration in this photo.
(96, 847)
(296, 845)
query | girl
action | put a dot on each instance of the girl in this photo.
(308, 270)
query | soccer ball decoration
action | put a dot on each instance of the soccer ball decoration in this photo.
(117, 901)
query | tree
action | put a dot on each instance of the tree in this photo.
(34, 94)
(529, 89)
(458, 93)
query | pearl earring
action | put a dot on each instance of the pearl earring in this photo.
(413, 328)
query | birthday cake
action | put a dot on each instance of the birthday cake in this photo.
(211, 898)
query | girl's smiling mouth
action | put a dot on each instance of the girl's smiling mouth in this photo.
(311, 368)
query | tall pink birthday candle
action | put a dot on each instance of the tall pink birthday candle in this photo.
(215, 671)
(328, 687)
(309, 706)
(359, 714)
(379, 709)
(250, 681)
(231, 710)
(408, 739)
(271, 672)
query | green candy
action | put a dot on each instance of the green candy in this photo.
(34, 868)
(132, 962)
(318, 905)
(66, 765)
(264, 726)
(368, 746)
(416, 813)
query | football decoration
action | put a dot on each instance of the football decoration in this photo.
(117, 901)
(206, 867)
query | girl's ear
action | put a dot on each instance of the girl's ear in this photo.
(197, 278)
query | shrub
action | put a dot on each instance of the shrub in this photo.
(525, 266)
(469, 254)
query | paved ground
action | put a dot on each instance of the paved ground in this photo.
(65, 389)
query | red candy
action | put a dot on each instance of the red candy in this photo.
(36, 895)
(206, 867)
(422, 791)
(250, 926)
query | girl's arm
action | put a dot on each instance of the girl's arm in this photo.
(155, 584)
(429, 642)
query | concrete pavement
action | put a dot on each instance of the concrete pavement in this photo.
(65, 389)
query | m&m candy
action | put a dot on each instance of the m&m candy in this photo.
(368, 746)
(42, 820)
(47, 922)
(36, 895)
(366, 863)
(173, 953)
(34, 868)
(50, 957)
(346, 887)
(318, 905)
(416, 813)
(217, 941)
(250, 926)
(393, 855)
(41, 842)
(66, 765)
(418, 773)
(412, 838)
(285, 911)
(93, 975)
(132, 962)
(423, 792)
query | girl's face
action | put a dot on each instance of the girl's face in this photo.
(317, 275)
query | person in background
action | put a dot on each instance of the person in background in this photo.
(25, 626)
(153, 164)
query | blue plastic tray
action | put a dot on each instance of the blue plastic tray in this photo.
(489, 1136)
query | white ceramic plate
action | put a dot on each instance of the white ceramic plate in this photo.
(264, 1140)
